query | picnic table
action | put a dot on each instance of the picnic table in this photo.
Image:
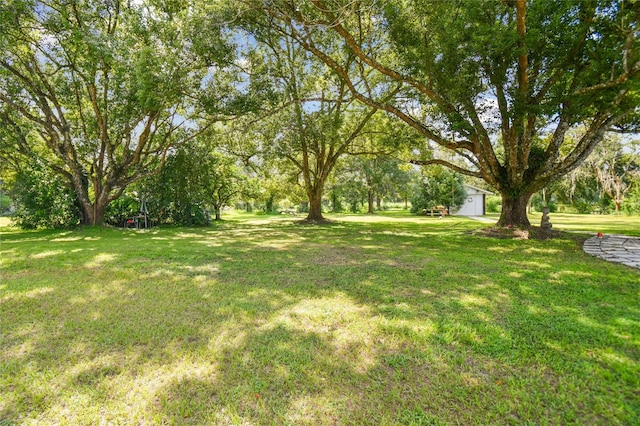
(439, 210)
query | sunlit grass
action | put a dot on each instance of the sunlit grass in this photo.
(384, 319)
(590, 223)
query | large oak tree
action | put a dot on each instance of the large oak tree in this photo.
(103, 90)
(499, 83)
(320, 120)
(616, 168)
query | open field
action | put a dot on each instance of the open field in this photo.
(386, 319)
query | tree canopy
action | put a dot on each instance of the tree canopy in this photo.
(498, 83)
(103, 90)
(439, 187)
(319, 120)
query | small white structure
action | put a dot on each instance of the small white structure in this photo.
(474, 205)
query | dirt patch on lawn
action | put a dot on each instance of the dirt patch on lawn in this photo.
(314, 222)
(531, 233)
(323, 255)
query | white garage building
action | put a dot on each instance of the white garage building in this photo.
(474, 205)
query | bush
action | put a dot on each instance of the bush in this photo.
(336, 202)
(42, 200)
(606, 205)
(175, 195)
(631, 203)
(5, 204)
(584, 206)
(538, 203)
(270, 205)
(440, 187)
(118, 211)
(566, 208)
(493, 203)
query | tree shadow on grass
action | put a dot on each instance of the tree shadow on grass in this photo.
(289, 376)
(339, 324)
(458, 356)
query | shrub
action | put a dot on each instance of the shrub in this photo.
(538, 203)
(439, 187)
(493, 203)
(42, 200)
(5, 204)
(631, 203)
(118, 211)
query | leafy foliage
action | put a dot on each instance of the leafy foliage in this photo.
(194, 183)
(632, 203)
(440, 187)
(370, 179)
(108, 88)
(538, 201)
(605, 180)
(480, 78)
(493, 203)
(42, 199)
(319, 120)
(616, 168)
(106, 91)
(123, 208)
(5, 203)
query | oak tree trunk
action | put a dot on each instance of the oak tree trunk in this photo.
(315, 205)
(514, 211)
(92, 213)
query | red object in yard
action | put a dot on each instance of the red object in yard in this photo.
(600, 235)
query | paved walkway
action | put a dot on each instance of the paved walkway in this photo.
(615, 248)
(482, 219)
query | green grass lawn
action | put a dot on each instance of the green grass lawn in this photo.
(590, 223)
(386, 319)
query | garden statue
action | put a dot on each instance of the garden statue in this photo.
(544, 223)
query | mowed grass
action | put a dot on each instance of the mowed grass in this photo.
(371, 320)
(589, 223)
